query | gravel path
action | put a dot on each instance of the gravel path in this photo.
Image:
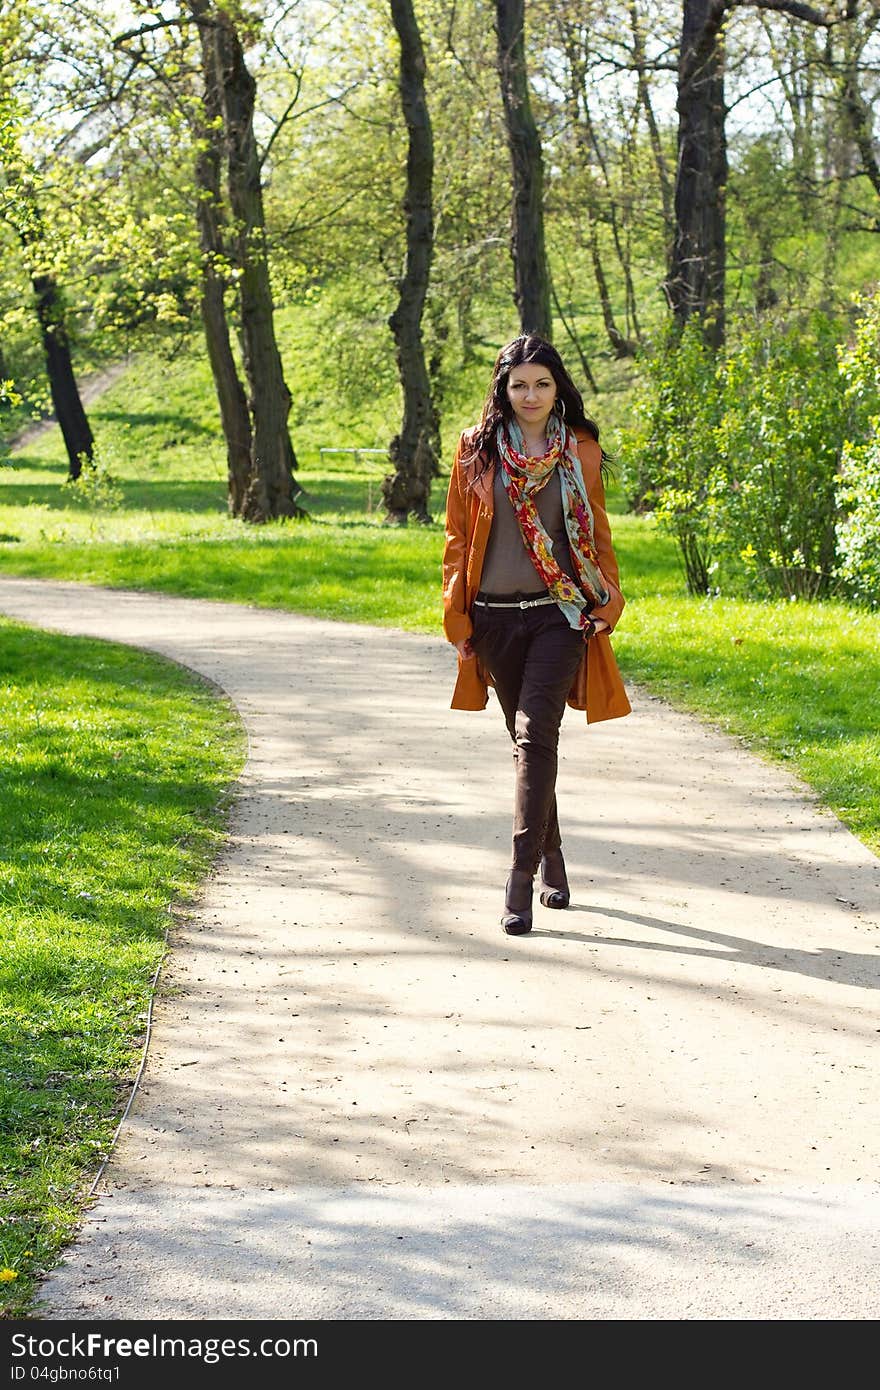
(364, 1101)
(90, 388)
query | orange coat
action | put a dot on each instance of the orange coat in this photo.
(597, 686)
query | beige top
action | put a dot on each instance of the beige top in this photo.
(508, 567)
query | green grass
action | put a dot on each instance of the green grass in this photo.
(798, 683)
(114, 767)
(798, 686)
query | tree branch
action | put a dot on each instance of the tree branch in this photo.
(177, 22)
(791, 7)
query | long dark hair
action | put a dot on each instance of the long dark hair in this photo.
(528, 347)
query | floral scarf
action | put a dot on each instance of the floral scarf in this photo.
(523, 477)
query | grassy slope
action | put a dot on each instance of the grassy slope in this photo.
(113, 766)
(794, 680)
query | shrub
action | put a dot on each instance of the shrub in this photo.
(781, 436)
(858, 531)
(763, 464)
(673, 466)
(96, 489)
(858, 487)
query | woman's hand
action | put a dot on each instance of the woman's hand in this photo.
(464, 649)
(600, 625)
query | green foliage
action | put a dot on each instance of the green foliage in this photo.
(109, 198)
(762, 215)
(672, 465)
(740, 458)
(779, 442)
(858, 489)
(106, 217)
(8, 394)
(96, 489)
(858, 533)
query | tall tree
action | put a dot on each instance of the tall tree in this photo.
(575, 38)
(231, 396)
(66, 399)
(531, 274)
(271, 490)
(415, 450)
(858, 114)
(21, 209)
(695, 282)
(641, 66)
(696, 273)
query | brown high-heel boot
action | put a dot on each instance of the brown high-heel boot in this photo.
(517, 919)
(554, 880)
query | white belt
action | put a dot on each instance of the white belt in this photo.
(521, 603)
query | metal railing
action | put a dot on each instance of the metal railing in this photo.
(357, 453)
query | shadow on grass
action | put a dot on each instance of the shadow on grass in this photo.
(163, 495)
(184, 426)
(27, 463)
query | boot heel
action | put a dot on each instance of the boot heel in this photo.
(517, 921)
(558, 896)
(555, 897)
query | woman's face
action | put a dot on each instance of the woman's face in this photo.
(531, 391)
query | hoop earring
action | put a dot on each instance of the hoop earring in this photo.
(561, 406)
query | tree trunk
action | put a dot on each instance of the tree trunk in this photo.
(647, 105)
(695, 283)
(66, 401)
(531, 276)
(22, 211)
(271, 490)
(794, 60)
(415, 450)
(575, 340)
(858, 114)
(841, 157)
(69, 410)
(231, 396)
(579, 73)
(582, 125)
(623, 346)
(766, 296)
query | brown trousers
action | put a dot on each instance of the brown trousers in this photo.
(532, 655)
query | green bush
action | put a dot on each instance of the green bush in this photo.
(858, 487)
(762, 464)
(780, 440)
(96, 489)
(858, 532)
(672, 467)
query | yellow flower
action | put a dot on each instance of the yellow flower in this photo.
(7, 1275)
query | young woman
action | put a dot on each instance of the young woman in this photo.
(530, 591)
